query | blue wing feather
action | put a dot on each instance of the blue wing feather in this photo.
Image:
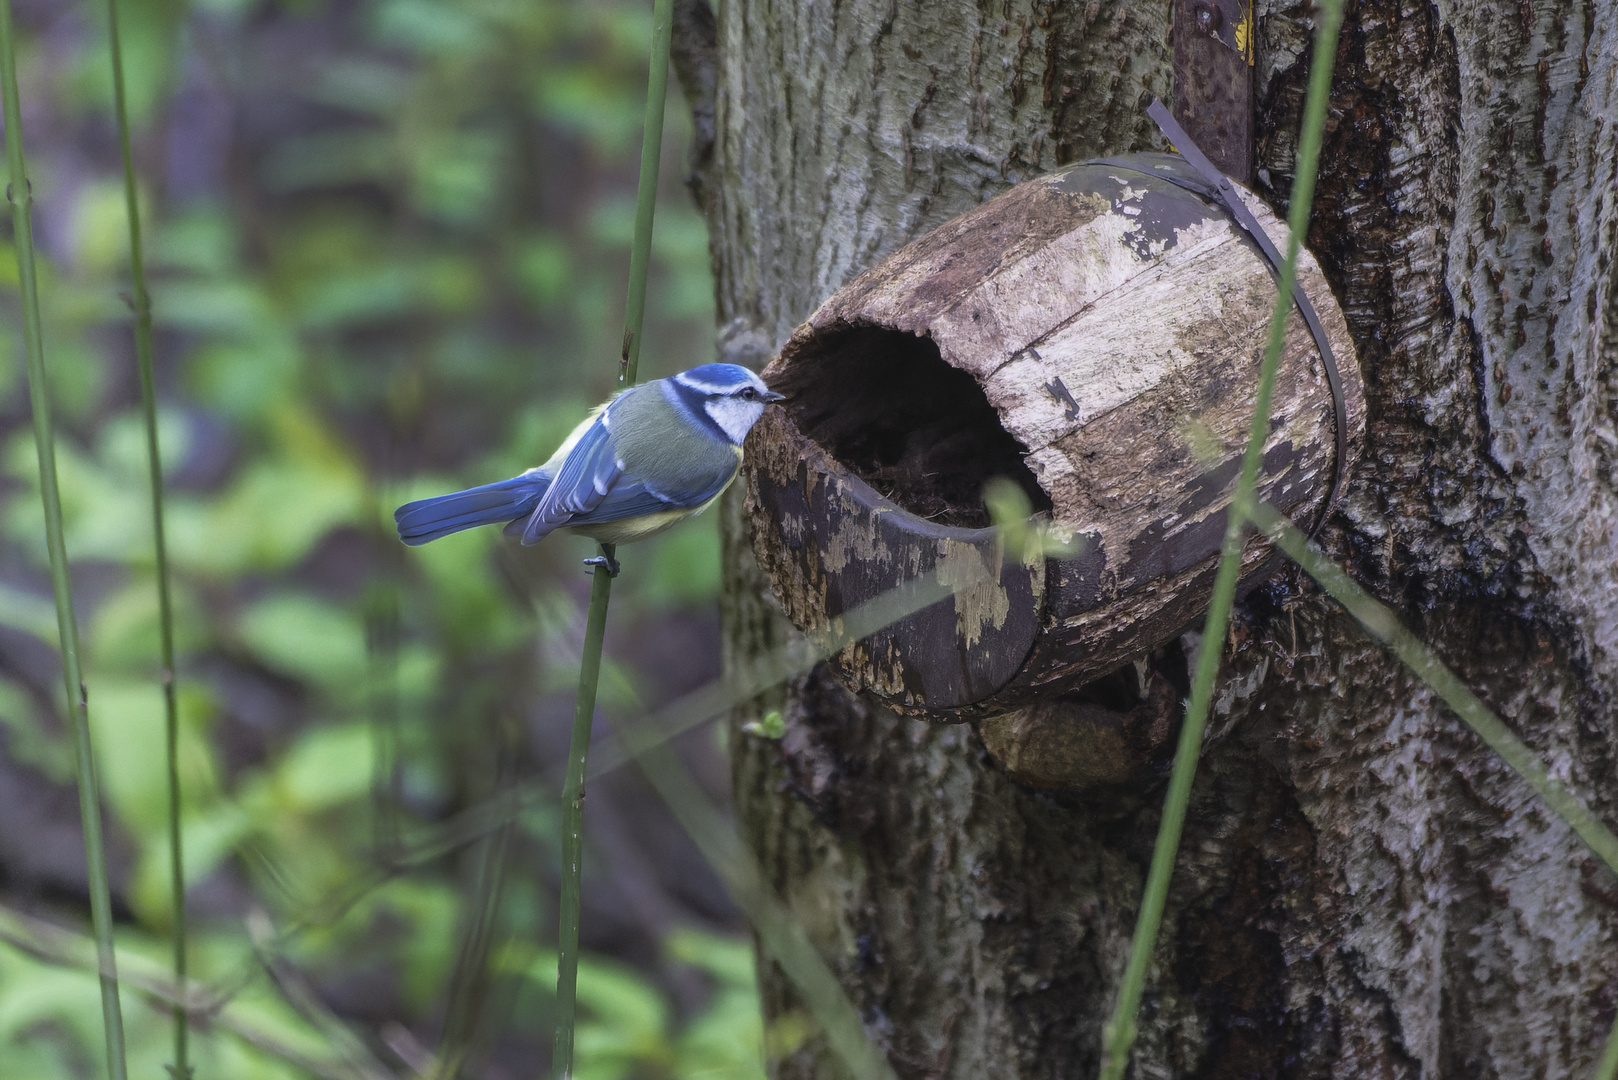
(582, 481)
(635, 500)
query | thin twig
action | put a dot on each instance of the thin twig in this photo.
(435, 841)
(20, 195)
(63, 948)
(567, 962)
(1118, 1038)
(467, 1009)
(298, 994)
(142, 304)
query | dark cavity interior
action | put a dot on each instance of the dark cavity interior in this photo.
(886, 405)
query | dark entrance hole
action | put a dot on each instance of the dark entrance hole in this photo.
(886, 405)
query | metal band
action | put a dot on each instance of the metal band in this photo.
(1223, 188)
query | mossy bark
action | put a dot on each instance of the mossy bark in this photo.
(1363, 890)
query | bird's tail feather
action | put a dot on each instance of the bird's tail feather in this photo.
(505, 500)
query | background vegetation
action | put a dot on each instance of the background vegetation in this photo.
(387, 247)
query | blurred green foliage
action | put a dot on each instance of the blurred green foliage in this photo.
(394, 268)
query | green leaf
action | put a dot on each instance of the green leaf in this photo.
(127, 726)
(121, 444)
(356, 297)
(207, 838)
(543, 266)
(100, 227)
(213, 306)
(124, 631)
(199, 240)
(270, 518)
(431, 26)
(728, 959)
(327, 766)
(303, 636)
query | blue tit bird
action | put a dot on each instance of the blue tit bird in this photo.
(649, 458)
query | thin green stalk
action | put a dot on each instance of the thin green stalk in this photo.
(781, 935)
(382, 657)
(69, 950)
(744, 684)
(20, 196)
(1118, 1038)
(467, 1010)
(567, 961)
(779, 931)
(142, 304)
(651, 156)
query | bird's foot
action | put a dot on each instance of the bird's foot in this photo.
(603, 560)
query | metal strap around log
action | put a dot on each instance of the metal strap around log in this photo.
(1224, 189)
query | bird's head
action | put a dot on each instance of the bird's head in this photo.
(731, 395)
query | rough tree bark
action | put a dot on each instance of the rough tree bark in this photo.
(1363, 890)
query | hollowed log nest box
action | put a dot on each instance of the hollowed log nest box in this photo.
(947, 365)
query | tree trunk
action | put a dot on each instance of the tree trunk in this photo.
(1363, 889)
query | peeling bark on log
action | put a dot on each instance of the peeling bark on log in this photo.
(1363, 890)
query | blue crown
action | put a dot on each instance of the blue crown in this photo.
(717, 378)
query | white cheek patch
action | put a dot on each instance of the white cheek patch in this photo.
(734, 416)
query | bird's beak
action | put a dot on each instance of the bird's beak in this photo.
(771, 395)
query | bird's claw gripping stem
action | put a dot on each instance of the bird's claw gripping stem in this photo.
(603, 560)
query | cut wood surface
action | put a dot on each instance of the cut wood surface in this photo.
(1151, 307)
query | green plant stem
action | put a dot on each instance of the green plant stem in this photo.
(20, 196)
(59, 947)
(142, 304)
(651, 156)
(742, 685)
(779, 931)
(780, 934)
(1118, 1038)
(651, 153)
(567, 950)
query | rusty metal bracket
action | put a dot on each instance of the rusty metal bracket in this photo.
(1213, 79)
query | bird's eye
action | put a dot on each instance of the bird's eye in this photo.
(748, 394)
